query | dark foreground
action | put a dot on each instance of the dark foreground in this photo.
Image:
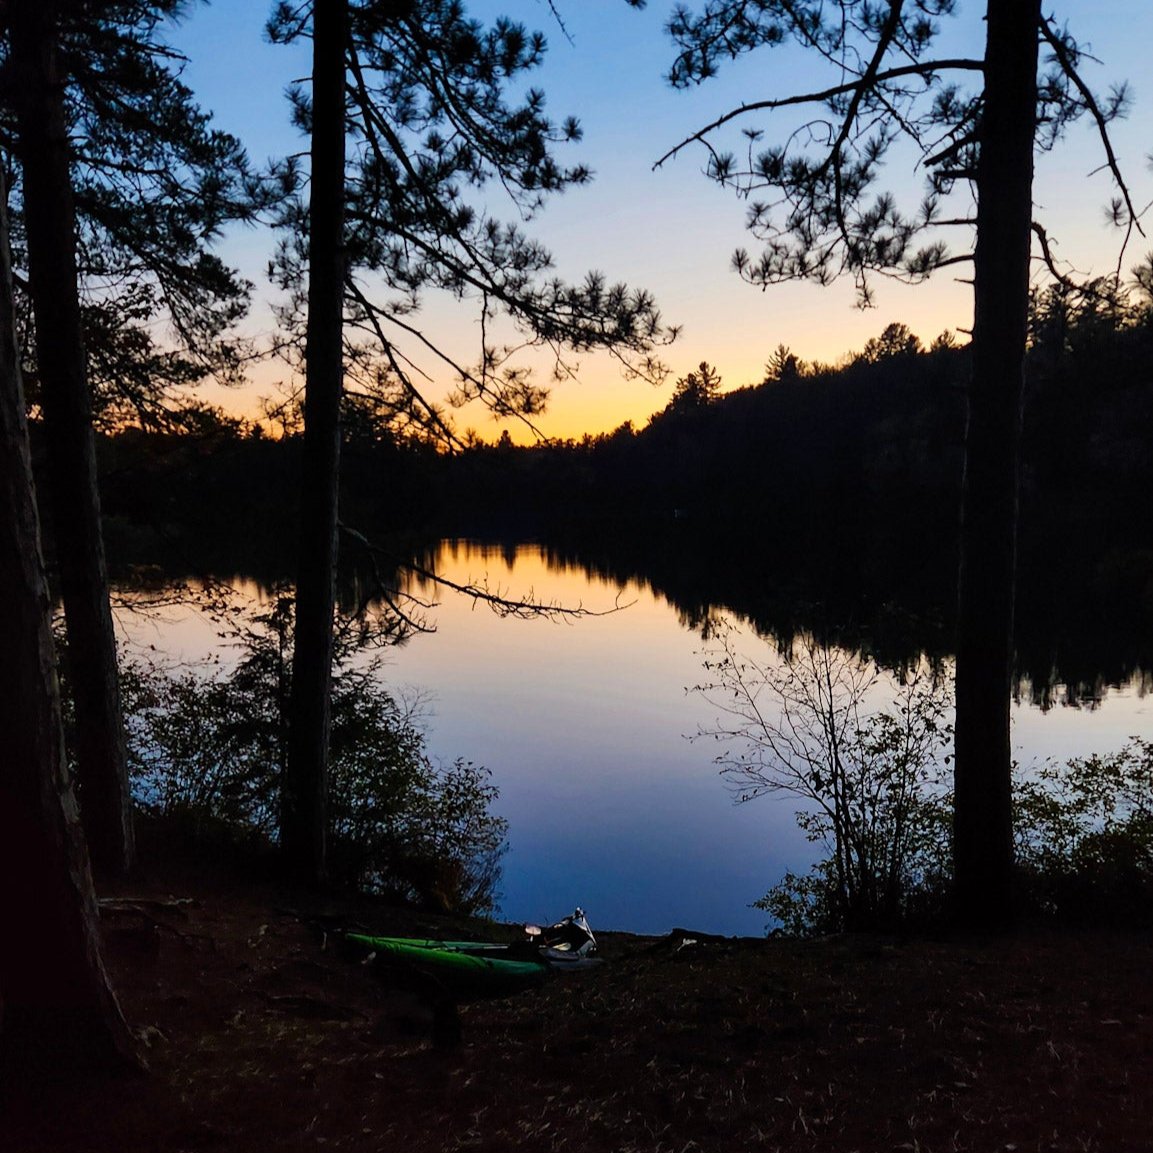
(261, 1039)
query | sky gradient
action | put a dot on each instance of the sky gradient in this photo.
(671, 230)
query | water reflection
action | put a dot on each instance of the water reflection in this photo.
(584, 723)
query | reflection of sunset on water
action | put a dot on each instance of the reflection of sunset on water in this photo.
(583, 721)
(584, 726)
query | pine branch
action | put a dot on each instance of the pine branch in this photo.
(923, 70)
(1061, 51)
(373, 314)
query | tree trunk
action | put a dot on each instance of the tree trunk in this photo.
(57, 1010)
(983, 834)
(50, 222)
(304, 815)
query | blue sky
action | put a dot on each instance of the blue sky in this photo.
(671, 230)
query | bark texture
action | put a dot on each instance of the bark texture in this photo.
(304, 817)
(50, 223)
(983, 835)
(57, 1010)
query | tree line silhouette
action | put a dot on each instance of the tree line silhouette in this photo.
(825, 495)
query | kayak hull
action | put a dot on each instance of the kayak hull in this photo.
(464, 970)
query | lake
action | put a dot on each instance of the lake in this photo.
(585, 724)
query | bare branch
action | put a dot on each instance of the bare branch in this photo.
(559, 20)
(505, 606)
(1070, 69)
(380, 589)
(1086, 289)
(923, 70)
(373, 315)
(508, 606)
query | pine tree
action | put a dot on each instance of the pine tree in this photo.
(304, 822)
(818, 214)
(50, 224)
(429, 125)
(122, 186)
(153, 184)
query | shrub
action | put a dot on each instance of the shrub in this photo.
(210, 746)
(871, 778)
(1084, 837)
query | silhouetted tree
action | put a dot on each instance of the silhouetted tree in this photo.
(422, 90)
(57, 1009)
(153, 183)
(37, 87)
(782, 365)
(821, 217)
(895, 341)
(304, 819)
(123, 185)
(944, 342)
(696, 391)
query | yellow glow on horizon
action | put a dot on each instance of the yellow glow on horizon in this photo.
(735, 332)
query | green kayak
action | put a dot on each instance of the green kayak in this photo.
(466, 970)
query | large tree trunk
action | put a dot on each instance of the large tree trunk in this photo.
(304, 816)
(50, 223)
(57, 1010)
(983, 834)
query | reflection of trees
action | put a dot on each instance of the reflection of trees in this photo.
(1083, 625)
(1074, 639)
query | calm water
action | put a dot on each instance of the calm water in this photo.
(584, 724)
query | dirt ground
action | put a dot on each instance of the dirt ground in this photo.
(262, 1035)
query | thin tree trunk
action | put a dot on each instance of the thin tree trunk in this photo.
(304, 817)
(57, 1010)
(50, 222)
(983, 834)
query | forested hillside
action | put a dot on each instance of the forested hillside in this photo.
(835, 486)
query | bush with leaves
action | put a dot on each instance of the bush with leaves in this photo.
(1084, 837)
(871, 778)
(400, 823)
(209, 746)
